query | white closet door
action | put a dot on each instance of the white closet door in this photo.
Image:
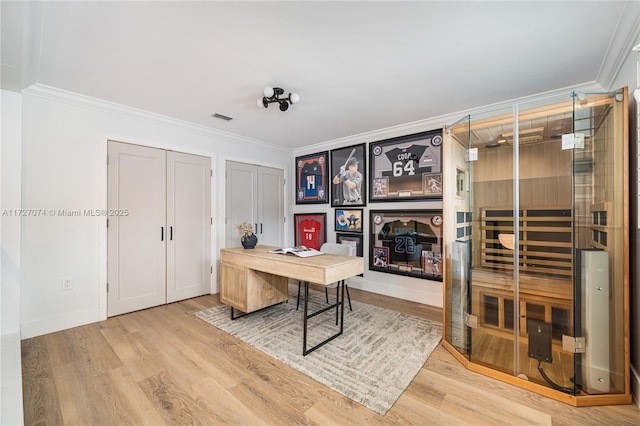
(270, 206)
(189, 225)
(241, 199)
(136, 241)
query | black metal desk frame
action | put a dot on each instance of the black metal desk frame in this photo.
(339, 306)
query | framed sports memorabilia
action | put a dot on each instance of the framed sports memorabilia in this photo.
(310, 229)
(348, 176)
(354, 239)
(348, 220)
(407, 242)
(311, 178)
(406, 168)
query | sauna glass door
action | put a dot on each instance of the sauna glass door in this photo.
(522, 250)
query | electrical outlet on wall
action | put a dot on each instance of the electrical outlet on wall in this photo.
(67, 283)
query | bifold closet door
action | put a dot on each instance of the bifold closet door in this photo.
(270, 206)
(189, 226)
(255, 194)
(241, 199)
(136, 241)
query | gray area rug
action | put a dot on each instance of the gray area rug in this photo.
(372, 362)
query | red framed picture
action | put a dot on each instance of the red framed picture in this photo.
(310, 229)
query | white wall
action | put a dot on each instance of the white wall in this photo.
(64, 167)
(10, 178)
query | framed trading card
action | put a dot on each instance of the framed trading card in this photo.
(310, 229)
(311, 178)
(354, 239)
(407, 242)
(406, 168)
(348, 220)
(348, 176)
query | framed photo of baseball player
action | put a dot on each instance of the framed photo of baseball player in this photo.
(407, 242)
(349, 220)
(406, 168)
(348, 176)
(310, 229)
(311, 178)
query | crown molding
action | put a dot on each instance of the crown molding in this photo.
(88, 102)
(620, 47)
(441, 120)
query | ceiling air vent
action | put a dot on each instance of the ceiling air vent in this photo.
(221, 117)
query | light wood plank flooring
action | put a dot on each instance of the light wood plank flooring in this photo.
(164, 366)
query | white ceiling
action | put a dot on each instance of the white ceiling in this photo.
(357, 66)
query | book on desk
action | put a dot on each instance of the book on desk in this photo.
(300, 251)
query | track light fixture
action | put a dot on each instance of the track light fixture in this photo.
(272, 94)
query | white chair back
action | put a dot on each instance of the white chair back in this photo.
(340, 249)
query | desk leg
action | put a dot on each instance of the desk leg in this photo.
(306, 317)
(339, 306)
(342, 284)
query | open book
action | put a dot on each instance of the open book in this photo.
(300, 251)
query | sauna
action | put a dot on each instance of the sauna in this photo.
(536, 282)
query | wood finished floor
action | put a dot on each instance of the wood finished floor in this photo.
(164, 366)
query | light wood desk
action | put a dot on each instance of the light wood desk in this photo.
(253, 279)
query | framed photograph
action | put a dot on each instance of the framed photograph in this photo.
(311, 178)
(407, 242)
(354, 239)
(348, 176)
(406, 168)
(349, 220)
(310, 229)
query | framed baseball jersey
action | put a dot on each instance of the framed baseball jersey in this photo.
(407, 242)
(311, 179)
(406, 168)
(310, 229)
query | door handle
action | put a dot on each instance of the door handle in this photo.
(171, 233)
(162, 233)
(261, 228)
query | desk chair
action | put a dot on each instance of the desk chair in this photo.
(339, 249)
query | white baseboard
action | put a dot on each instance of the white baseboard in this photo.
(429, 294)
(60, 322)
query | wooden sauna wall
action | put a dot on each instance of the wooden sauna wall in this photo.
(545, 180)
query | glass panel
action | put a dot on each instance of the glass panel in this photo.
(492, 189)
(546, 220)
(600, 279)
(459, 231)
